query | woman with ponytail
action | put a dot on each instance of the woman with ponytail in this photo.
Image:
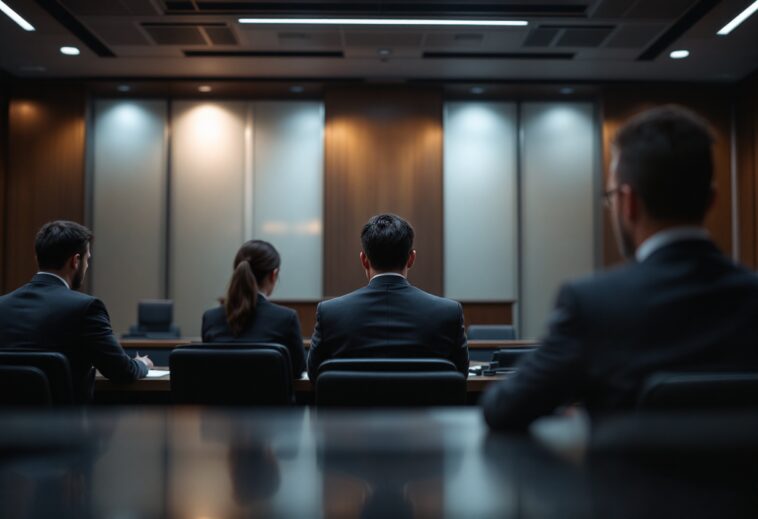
(247, 315)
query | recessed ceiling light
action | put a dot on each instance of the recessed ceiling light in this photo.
(297, 89)
(477, 90)
(13, 15)
(679, 54)
(70, 51)
(566, 91)
(123, 88)
(383, 21)
(744, 15)
(204, 88)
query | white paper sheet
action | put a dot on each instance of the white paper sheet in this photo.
(157, 373)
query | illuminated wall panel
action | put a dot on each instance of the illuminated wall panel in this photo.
(128, 206)
(288, 192)
(480, 197)
(558, 196)
(206, 204)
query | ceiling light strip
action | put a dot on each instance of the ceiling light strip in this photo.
(383, 21)
(744, 15)
(13, 15)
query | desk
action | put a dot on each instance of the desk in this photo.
(296, 463)
(159, 349)
(474, 384)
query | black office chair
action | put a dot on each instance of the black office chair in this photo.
(509, 357)
(155, 319)
(491, 332)
(54, 365)
(389, 383)
(231, 374)
(24, 386)
(704, 390)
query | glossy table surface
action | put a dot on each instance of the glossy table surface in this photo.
(191, 463)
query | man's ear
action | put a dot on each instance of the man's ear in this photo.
(364, 261)
(411, 259)
(629, 204)
(74, 261)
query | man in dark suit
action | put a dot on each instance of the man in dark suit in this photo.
(680, 305)
(389, 318)
(49, 314)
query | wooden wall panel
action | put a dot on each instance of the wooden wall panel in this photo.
(713, 103)
(4, 96)
(45, 176)
(383, 154)
(747, 169)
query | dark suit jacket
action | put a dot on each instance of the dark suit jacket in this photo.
(388, 318)
(685, 307)
(44, 314)
(270, 323)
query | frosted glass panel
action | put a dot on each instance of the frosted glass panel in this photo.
(480, 236)
(207, 197)
(129, 202)
(557, 187)
(288, 158)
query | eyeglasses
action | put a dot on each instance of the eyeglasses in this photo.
(607, 196)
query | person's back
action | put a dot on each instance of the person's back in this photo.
(48, 313)
(247, 316)
(389, 318)
(681, 306)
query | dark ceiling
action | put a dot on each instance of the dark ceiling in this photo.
(591, 40)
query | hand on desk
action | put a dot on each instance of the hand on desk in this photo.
(144, 360)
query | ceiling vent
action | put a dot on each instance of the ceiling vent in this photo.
(190, 34)
(378, 39)
(500, 55)
(111, 7)
(586, 37)
(634, 36)
(541, 37)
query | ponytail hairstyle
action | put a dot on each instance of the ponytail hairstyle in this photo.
(255, 260)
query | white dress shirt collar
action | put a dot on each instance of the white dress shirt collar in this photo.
(667, 237)
(55, 276)
(386, 274)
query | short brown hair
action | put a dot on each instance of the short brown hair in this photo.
(665, 154)
(57, 241)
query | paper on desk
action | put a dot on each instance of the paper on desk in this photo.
(157, 373)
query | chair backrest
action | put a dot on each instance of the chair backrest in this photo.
(491, 332)
(702, 390)
(389, 383)
(53, 364)
(155, 318)
(509, 357)
(231, 374)
(24, 386)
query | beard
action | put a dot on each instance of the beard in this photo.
(624, 238)
(78, 278)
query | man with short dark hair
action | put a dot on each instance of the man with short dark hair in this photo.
(389, 318)
(680, 306)
(49, 314)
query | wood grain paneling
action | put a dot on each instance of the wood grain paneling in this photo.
(711, 102)
(383, 154)
(747, 169)
(45, 176)
(4, 96)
